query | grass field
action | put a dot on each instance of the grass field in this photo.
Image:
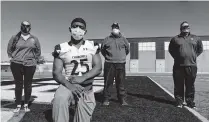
(201, 93)
(147, 102)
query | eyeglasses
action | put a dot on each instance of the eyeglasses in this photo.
(115, 27)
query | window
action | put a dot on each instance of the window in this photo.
(166, 45)
(160, 52)
(205, 45)
(146, 46)
(134, 51)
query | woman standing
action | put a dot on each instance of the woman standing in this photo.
(24, 50)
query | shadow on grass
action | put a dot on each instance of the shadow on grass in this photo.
(152, 98)
(99, 98)
(48, 114)
(11, 81)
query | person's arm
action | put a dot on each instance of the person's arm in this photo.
(96, 70)
(199, 47)
(126, 46)
(103, 47)
(171, 48)
(57, 72)
(38, 48)
(9, 47)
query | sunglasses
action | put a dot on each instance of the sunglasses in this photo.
(115, 27)
(185, 27)
(26, 26)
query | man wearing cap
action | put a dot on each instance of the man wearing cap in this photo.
(81, 61)
(114, 48)
(185, 48)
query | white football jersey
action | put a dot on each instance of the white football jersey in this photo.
(77, 61)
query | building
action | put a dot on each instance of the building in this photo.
(148, 54)
(151, 55)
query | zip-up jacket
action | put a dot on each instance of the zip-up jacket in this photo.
(115, 48)
(185, 50)
(26, 52)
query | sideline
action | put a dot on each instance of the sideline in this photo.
(197, 114)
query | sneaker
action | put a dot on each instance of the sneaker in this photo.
(26, 108)
(184, 104)
(17, 109)
(195, 108)
(106, 103)
(179, 106)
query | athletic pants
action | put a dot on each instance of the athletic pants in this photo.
(111, 71)
(64, 98)
(184, 75)
(19, 71)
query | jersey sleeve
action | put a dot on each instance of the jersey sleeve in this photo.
(56, 51)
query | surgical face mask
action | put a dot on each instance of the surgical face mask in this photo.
(185, 28)
(115, 31)
(77, 33)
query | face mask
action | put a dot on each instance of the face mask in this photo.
(185, 28)
(186, 31)
(77, 33)
(116, 31)
(25, 27)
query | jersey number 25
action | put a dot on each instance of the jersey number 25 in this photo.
(76, 66)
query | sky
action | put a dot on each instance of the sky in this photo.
(50, 20)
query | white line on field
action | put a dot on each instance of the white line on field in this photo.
(198, 115)
(7, 104)
(17, 117)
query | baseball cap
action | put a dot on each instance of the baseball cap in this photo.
(81, 20)
(183, 24)
(115, 24)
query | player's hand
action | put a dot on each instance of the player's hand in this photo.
(77, 79)
(79, 90)
(76, 89)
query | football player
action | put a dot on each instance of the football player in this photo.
(81, 61)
